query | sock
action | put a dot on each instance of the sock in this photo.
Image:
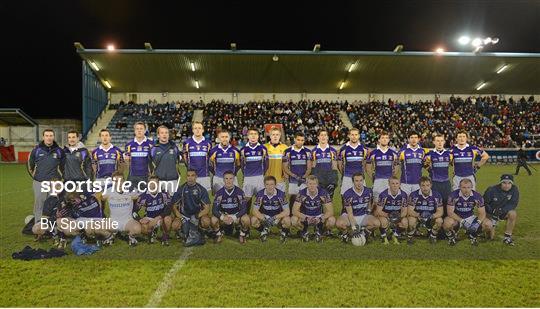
(506, 235)
(383, 232)
(285, 231)
(305, 228)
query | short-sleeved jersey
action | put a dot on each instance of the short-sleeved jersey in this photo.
(120, 204)
(464, 206)
(153, 203)
(224, 159)
(229, 202)
(392, 203)
(359, 201)
(140, 156)
(422, 203)
(107, 160)
(275, 160)
(254, 160)
(312, 205)
(297, 160)
(271, 205)
(412, 161)
(323, 157)
(197, 155)
(352, 158)
(384, 162)
(464, 159)
(440, 162)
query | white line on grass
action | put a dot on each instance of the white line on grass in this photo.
(166, 282)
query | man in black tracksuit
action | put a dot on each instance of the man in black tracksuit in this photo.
(522, 161)
(501, 201)
(77, 163)
(164, 159)
(45, 163)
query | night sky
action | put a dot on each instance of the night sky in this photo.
(41, 66)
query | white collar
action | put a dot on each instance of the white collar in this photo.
(153, 195)
(439, 152)
(293, 147)
(417, 147)
(466, 145)
(323, 149)
(227, 191)
(224, 149)
(270, 196)
(424, 196)
(349, 144)
(256, 145)
(136, 141)
(193, 138)
(465, 197)
(102, 148)
(312, 196)
(393, 196)
(359, 193)
(383, 151)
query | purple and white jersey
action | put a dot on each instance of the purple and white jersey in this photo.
(392, 203)
(224, 159)
(323, 157)
(412, 161)
(140, 156)
(298, 160)
(423, 203)
(197, 154)
(106, 160)
(359, 201)
(464, 206)
(254, 160)
(229, 202)
(352, 158)
(313, 205)
(384, 162)
(87, 207)
(153, 204)
(440, 163)
(271, 205)
(464, 159)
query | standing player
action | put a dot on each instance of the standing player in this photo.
(411, 158)
(325, 164)
(106, 158)
(254, 162)
(438, 161)
(137, 155)
(230, 210)
(380, 163)
(156, 205)
(223, 157)
(461, 205)
(77, 164)
(275, 158)
(44, 164)
(352, 159)
(297, 165)
(164, 159)
(392, 208)
(196, 151)
(313, 207)
(465, 160)
(271, 208)
(357, 209)
(425, 207)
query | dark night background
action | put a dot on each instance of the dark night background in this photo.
(40, 65)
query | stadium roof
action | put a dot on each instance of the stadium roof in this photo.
(15, 117)
(256, 71)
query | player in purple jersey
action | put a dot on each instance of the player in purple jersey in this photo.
(230, 210)
(425, 208)
(106, 158)
(352, 159)
(271, 209)
(254, 162)
(313, 207)
(196, 150)
(392, 211)
(223, 157)
(296, 165)
(137, 155)
(438, 161)
(466, 161)
(461, 205)
(357, 208)
(157, 209)
(411, 159)
(381, 164)
(325, 164)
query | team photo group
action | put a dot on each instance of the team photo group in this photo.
(286, 192)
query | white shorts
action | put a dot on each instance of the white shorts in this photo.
(295, 188)
(205, 182)
(379, 185)
(121, 223)
(457, 179)
(360, 220)
(347, 183)
(218, 183)
(409, 188)
(252, 185)
(282, 186)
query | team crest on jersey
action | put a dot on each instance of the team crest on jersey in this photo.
(139, 148)
(171, 151)
(77, 154)
(55, 155)
(229, 200)
(198, 147)
(195, 192)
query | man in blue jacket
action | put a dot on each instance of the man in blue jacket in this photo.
(501, 201)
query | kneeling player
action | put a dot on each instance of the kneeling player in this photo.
(392, 210)
(461, 204)
(357, 208)
(313, 207)
(158, 212)
(425, 209)
(271, 208)
(230, 210)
